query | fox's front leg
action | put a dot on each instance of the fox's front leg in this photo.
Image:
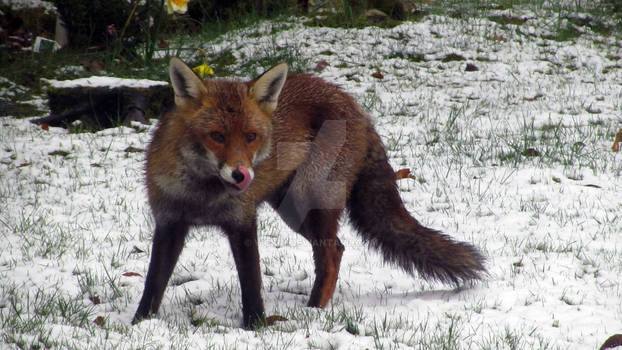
(243, 241)
(168, 241)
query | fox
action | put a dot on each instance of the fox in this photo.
(305, 147)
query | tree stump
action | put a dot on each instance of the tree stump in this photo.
(104, 102)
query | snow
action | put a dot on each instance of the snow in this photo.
(9, 89)
(549, 225)
(22, 4)
(102, 81)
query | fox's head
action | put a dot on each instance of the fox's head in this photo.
(227, 124)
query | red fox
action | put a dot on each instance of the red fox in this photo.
(305, 147)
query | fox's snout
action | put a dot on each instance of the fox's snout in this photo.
(239, 177)
(242, 177)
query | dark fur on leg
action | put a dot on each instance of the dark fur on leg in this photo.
(168, 241)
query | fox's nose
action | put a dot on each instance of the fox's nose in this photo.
(237, 175)
(241, 177)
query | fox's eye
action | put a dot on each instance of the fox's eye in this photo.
(218, 137)
(250, 137)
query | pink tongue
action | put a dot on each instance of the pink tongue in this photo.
(242, 185)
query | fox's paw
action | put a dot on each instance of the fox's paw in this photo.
(138, 318)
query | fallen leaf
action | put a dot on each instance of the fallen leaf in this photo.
(95, 300)
(275, 318)
(404, 174)
(132, 274)
(45, 126)
(617, 141)
(535, 97)
(99, 321)
(498, 38)
(377, 75)
(321, 65)
(531, 152)
(24, 164)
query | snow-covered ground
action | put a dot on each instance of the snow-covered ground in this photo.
(514, 157)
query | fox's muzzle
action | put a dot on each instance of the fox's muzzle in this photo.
(240, 177)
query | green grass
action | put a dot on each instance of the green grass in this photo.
(348, 20)
(26, 68)
(605, 18)
(273, 55)
(35, 312)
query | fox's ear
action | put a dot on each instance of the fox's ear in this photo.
(187, 86)
(267, 87)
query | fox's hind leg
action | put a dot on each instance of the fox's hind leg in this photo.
(320, 228)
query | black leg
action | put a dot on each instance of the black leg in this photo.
(168, 241)
(243, 241)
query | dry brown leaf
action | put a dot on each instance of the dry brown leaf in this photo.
(321, 65)
(404, 174)
(377, 75)
(132, 274)
(531, 152)
(270, 320)
(99, 321)
(617, 141)
(498, 38)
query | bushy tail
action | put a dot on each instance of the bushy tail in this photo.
(377, 212)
